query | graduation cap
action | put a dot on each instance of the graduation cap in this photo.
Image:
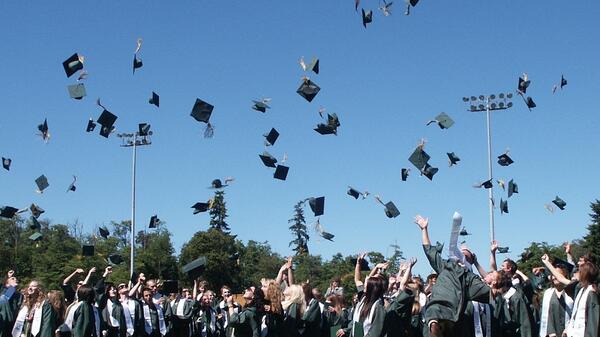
(72, 187)
(281, 172)
(463, 232)
(364, 264)
(44, 131)
(443, 121)
(195, 268)
(313, 66)
(429, 171)
(503, 206)
(261, 105)
(452, 158)
(367, 17)
(6, 163)
(563, 81)
(170, 287)
(42, 183)
(107, 120)
(317, 205)
(8, 212)
(503, 250)
(530, 103)
(104, 232)
(137, 63)
(201, 207)
(404, 173)
(155, 99)
(268, 159)
(77, 91)
(562, 263)
(410, 3)
(327, 236)
(35, 224)
(90, 126)
(154, 222)
(391, 211)
(73, 64)
(512, 188)
(523, 84)
(501, 183)
(87, 250)
(419, 158)
(217, 183)
(37, 236)
(202, 112)
(325, 129)
(504, 160)
(486, 184)
(355, 193)
(308, 89)
(114, 259)
(144, 129)
(559, 203)
(386, 8)
(271, 137)
(36, 210)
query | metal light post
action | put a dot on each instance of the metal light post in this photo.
(489, 104)
(140, 138)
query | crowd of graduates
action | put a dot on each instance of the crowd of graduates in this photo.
(558, 298)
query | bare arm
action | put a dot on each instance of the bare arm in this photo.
(290, 274)
(286, 266)
(357, 281)
(407, 271)
(554, 271)
(493, 248)
(141, 279)
(423, 223)
(480, 269)
(89, 275)
(522, 275)
(68, 278)
(570, 258)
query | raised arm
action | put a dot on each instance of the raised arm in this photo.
(89, 275)
(480, 269)
(493, 249)
(570, 258)
(285, 267)
(554, 271)
(407, 272)
(357, 279)
(195, 290)
(379, 268)
(68, 278)
(423, 223)
(290, 273)
(141, 279)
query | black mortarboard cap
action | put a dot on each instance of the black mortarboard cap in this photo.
(104, 232)
(563, 81)
(36, 210)
(317, 205)
(272, 136)
(105, 131)
(72, 65)
(43, 128)
(37, 236)
(364, 264)
(325, 129)
(560, 262)
(115, 259)
(200, 207)
(487, 184)
(143, 129)
(314, 66)
(8, 212)
(391, 211)
(87, 250)
(308, 89)
(6, 163)
(503, 206)
(90, 126)
(155, 99)
(530, 103)
(137, 63)
(34, 223)
(443, 121)
(154, 221)
(260, 106)
(512, 188)
(354, 193)
(559, 203)
(42, 183)
(327, 236)
(419, 158)
(453, 158)
(413, 2)
(523, 85)
(429, 171)
(268, 159)
(170, 287)
(217, 183)
(201, 111)
(77, 91)
(281, 172)
(504, 160)
(404, 174)
(72, 186)
(367, 17)
(503, 250)
(463, 232)
(195, 268)
(107, 118)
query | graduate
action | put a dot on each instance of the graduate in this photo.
(312, 315)
(134, 307)
(223, 311)
(246, 322)
(154, 319)
(273, 318)
(293, 305)
(83, 318)
(116, 318)
(10, 302)
(183, 309)
(510, 307)
(369, 315)
(36, 317)
(557, 307)
(206, 323)
(454, 287)
(335, 287)
(70, 292)
(399, 312)
(334, 314)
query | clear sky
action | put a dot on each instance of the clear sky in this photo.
(384, 82)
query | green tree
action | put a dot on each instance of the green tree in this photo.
(591, 242)
(257, 261)
(221, 251)
(308, 267)
(155, 254)
(395, 259)
(218, 212)
(531, 257)
(299, 230)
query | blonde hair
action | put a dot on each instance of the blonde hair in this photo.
(274, 295)
(296, 296)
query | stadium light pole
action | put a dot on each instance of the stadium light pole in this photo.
(488, 104)
(133, 140)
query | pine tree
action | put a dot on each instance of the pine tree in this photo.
(218, 213)
(591, 242)
(299, 230)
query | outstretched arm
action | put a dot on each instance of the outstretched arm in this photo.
(357, 281)
(570, 258)
(423, 223)
(480, 269)
(89, 275)
(554, 271)
(407, 272)
(68, 278)
(493, 248)
(286, 266)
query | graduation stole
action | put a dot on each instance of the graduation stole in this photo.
(367, 323)
(508, 295)
(546, 308)
(477, 320)
(181, 307)
(21, 317)
(576, 325)
(114, 321)
(36, 325)
(211, 324)
(148, 320)
(71, 314)
(96, 320)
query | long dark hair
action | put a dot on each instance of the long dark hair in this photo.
(374, 290)
(86, 293)
(588, 274)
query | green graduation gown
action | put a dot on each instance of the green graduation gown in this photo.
(292, 322)
(245, 323)
(556, 314)
(84, 321)
(8, 312)
(312, 319)
(592, 314)
(398, 315)
(377, 322)
(514, 318)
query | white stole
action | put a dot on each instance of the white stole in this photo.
(21, 317)
(264, 329)
(368, 321)
(180, 307)
(36, 325)
(545, 309)
(131, 306)
(114, 322)
(148, 320)
(212, 324)
(109, 308)
(477, 320)
(71, 314)
(508, 295)
(576, 325)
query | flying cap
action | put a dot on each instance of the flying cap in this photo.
(195, 268)
(391, 211)
(87, 250)
(503, 250)
(327, 236)
(42, 183)
(317, 205)
(563, 81)
(8, 212)
(90, 126)
(429, 171)
(367, 17)
(486, 184)
(37, 236)
(308, 89)
(72, 64)
(281, 172)
(155, 99)
(202, 112)
(154, 222)
(504, 160)
(6, 163)
(271, 137)
(559, 203)
(115, 259)
(523, 84)
(170, 287)
(354, 193)
(268, 159)
(364, 264)
(44, 130)
(503, 206)
(404, 174)
(419, 158)
(260, 105)
(443, 121)
(77, 91)
(463, 232)
(200, 207)
(137, 63)
(512, 188)
(452, 158)
(104, 232)
(36, 210)
(562, 263)
(217, 183)
(144, 129)
(72, 186)
(530, 103)
(313, 66)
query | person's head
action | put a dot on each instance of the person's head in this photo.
(225, 292)
(205, 300)
(587, 257)
(211, 295)
(249, 296)
(147, 295)
(111, 290)
(374, 290)
(588, 274)
(34, 288)
(186, 293)
(501, 281)
(509, 266)
(202, 286)
(259, 299)
(275, 296)
(123, 290)
(335, 282)
(562, 269)
(86, 293)
(79, 284)
(469, 257)
(307, 289)
(316, 294)
(33, 294)
(431, 279)
(153, 286)
(294, 294)
(57, 300)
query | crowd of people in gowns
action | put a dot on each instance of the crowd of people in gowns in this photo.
(459, 298)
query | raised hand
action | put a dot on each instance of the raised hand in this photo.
(11, 273)
(422, 222)
(79, 271)
(545, 258)
(494, 246)
(567, 247)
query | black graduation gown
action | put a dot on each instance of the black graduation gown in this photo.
(84, 321)
(398, 315)
(514, 319)
(8, 312)
(312, 319)
(292, 322)
(246, 323)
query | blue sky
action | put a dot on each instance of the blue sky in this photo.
(384, 83)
